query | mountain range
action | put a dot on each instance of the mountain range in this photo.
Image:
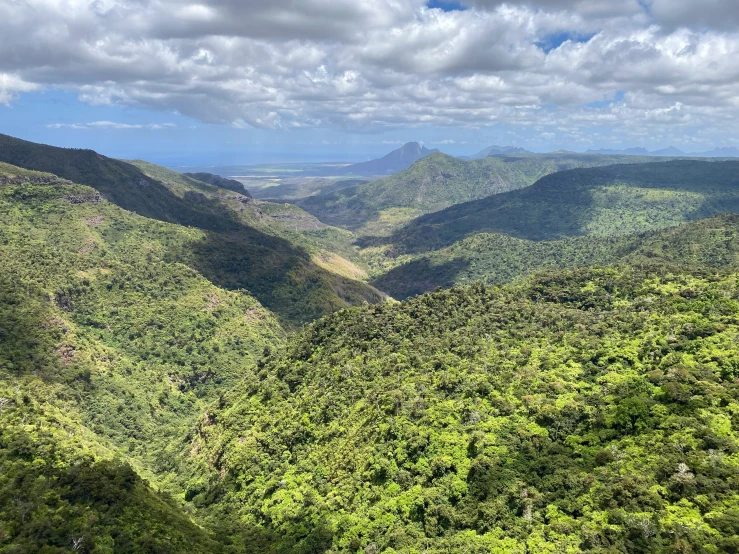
(186, 369)
(671, 151)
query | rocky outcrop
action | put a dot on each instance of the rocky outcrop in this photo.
(93, 197)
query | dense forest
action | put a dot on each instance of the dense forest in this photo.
(586, 411)
(437, 182)
(184, 368)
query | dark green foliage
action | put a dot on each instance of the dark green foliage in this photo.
(495, 258)
(218, 181)
(230, 251)
(436, 182)
(589, 411)
(614, 200)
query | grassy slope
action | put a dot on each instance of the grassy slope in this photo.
(495, 258)
(593, 411)
(231, 252)
(434, 183)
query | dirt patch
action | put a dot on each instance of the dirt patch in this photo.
(252, 315)
(66, 352)
(213, 301)
(94, 221)
(87, 248)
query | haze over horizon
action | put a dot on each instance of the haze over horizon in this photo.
(222, 82)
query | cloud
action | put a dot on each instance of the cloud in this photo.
(371, 66)
(11, 85)
(111, 125)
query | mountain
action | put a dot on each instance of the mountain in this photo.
(723, 152)
(603, 201)
(218, 181)
(497, 151)
(395, 161)
(495, 258)
(434, 183)
(576, 410)
(146, 407)
(669, 151)
(276, 252)
(625, 152)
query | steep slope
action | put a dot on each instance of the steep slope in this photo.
(579, 412)
(233, 252)
(434, 183)
(395, 161)
(110, 348)
(613, 200)
(218, 181)
(97, 299)
(494, 258)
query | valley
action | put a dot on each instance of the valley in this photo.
(239, 371)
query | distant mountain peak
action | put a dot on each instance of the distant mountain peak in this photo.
(393, 162)
(496, 150)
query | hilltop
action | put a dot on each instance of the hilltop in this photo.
(395, 161)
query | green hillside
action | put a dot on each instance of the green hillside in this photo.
(437, 182)
(274, 251)
(614, 200)
(587, 411)
(111, 349)
(302, 187)
(495, 258)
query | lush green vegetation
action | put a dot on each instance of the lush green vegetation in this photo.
(437, 182)
(219, 181)
(302, 187)
(495, 258)
(594, 411)
(270, 250)
(614, 200)
(152, 398)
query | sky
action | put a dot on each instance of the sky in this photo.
(219, 82)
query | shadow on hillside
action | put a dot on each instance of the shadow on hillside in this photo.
(233, 256)
(561, 205)
(420, 276)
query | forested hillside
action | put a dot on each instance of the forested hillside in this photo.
(277, 252)
(613, 200)
(587, 411)
(495, 258)
(111, 348)
(437, 182)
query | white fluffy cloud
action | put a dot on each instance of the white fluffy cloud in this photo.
(629, 65)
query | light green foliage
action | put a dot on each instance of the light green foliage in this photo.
(272, 260)
(593, 411)
(437, 182)
(495, 258)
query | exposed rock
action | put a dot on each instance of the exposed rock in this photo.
(93, 197)
(93, 221)
(45, 180)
